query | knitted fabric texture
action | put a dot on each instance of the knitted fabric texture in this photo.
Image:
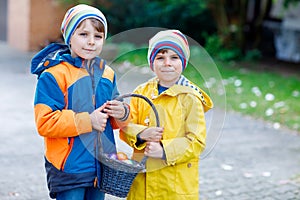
(77, 14)
(169, 39)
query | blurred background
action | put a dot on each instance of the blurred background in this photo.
(255, 43)
(228, 29)
(254, 72)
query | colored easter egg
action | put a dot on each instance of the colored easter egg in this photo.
(113, 156)
(122, 156)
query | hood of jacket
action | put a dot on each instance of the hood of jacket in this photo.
(183, 85)
(205, 99)
(52, 55)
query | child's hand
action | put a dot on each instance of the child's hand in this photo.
(99, 118)
(152, 134)
(115, 109)
(154, 150)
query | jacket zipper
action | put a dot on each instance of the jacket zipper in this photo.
(68, 153)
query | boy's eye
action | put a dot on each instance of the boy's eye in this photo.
(83, 34)
(174, 56)
(99, 35)
(159, 58)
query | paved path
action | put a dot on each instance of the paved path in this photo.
(250, 161)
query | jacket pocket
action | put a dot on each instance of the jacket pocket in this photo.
(187, 178)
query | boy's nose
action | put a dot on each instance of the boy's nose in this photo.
(91, 41)
(167, 62)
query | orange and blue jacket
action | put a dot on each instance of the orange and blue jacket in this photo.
(67, 92)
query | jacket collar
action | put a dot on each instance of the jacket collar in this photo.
(52, 55)
(183, 85)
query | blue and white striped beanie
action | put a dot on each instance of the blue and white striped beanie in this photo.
(77, 14)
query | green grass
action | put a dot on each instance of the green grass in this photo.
(261, 94)
(264, 95)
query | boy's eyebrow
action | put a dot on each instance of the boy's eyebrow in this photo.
(84, 30)
(161, 53)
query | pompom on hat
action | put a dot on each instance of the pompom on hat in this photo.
(77, 14)
(169, 39)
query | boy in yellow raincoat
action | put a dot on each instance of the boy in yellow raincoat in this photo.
(174, 148)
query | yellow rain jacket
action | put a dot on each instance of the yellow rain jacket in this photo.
(181, 112)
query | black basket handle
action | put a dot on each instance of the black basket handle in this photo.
(121, 97)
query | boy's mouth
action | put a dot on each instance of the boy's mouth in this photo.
(167, 70)
(90, 50)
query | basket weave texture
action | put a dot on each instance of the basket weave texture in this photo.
(117, 176)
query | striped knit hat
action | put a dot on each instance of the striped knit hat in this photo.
(77, 14)
(169, 39)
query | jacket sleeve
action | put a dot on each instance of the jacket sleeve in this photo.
(119, 124)
(129, 132)
(52, 119)
(190, 146)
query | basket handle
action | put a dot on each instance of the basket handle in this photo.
(120, 98)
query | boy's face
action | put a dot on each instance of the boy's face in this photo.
(86, 42)
(167, 66)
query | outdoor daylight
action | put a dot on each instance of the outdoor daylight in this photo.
(143, 100)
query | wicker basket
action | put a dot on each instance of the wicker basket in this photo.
(117, 176)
